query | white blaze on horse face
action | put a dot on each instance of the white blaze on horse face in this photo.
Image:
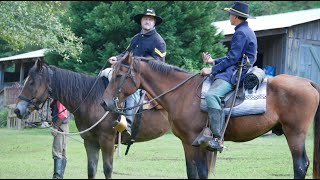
(26, 81)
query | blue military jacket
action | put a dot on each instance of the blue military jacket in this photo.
(244, 41)
(150, 44)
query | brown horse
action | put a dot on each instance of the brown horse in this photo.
(292, 102)
(71, 89)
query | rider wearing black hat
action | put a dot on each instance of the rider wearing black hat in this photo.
(244, 42)
(147, 43)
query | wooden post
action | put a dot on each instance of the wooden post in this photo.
(21, 72)
(1, 76)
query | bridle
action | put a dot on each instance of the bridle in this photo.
(129, 74)
(36, 102)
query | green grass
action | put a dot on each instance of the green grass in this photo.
(27, 154)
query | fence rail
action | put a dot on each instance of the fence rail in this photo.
(10, 98)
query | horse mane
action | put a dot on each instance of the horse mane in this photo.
(156, 65)
(74, 87)
(162, 67)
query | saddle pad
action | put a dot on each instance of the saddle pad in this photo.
(254, 103)
(107, 73)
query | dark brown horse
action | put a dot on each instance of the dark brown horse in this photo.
(71, 89)
(292, 102)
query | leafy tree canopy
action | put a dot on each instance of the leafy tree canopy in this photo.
(261, 8)
(36, 23)
(107, 27)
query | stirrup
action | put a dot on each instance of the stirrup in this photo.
(215, 145)
(127, 132)
(203, 138)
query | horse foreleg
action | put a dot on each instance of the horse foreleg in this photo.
(196, 161)
(190, 163)
(107, 150)
(300, 159)
(92, 149)
(202, 162)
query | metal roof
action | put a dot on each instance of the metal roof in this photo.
(33, 54)
(274, 21)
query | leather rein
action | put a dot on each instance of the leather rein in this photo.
(130, 74)
(36, 102)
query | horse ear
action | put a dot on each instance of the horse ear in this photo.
(39, 63)
(130, 57)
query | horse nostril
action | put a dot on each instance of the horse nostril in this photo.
(17, 111)
(104, 105)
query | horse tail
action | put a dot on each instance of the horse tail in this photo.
(316, 142)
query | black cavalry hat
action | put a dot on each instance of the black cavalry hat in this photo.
(148, 12)
(239, 9)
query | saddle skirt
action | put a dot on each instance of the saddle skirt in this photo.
(248, 102)
(107, 73)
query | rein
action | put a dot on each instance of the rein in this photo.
(84, 131)
(116, 99)
(34, 101)
(94, 125)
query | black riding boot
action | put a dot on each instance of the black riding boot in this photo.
(216, 119)
(64, 163)
(58, 169)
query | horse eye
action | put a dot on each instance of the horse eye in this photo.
(118, 76)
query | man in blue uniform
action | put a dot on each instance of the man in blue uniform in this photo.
(244, 42)
(147, 43)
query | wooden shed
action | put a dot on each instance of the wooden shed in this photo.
(14, 69)
(290, 42)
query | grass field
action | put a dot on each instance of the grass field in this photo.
(27, 154)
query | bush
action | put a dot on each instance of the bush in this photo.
(72, 126)
(3, 118)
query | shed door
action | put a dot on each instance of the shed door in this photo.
(309, 62)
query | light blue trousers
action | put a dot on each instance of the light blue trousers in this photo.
(131, 101)
(217, 90)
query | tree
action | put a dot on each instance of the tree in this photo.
(107, 27)
(261, 8)
(36, 23)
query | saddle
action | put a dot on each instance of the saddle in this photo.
(227, 100)
(153, 103)
(121, 123)
(248, 101)
(106, 75)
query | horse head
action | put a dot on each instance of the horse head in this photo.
(124, 82)
(36, 90)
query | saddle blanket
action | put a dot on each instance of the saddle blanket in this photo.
(254, 102)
